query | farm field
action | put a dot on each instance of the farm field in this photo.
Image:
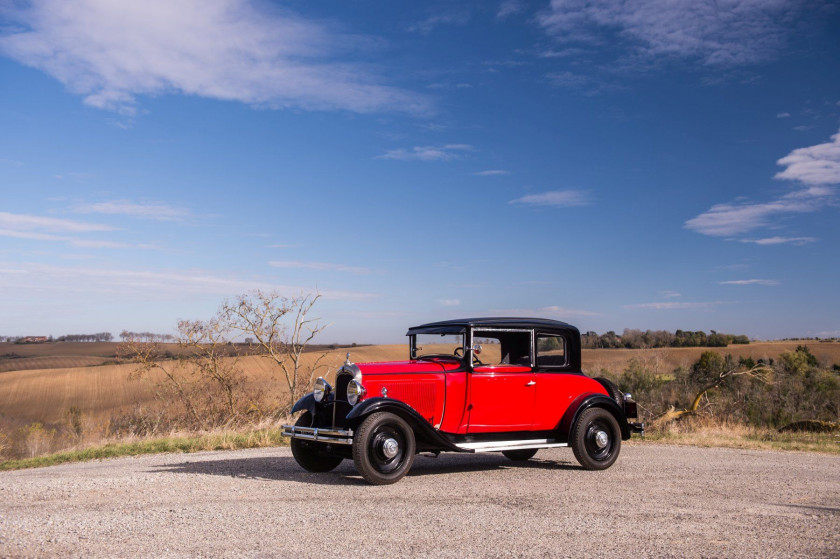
(68, 379)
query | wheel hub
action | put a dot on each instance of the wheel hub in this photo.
(390, 447)
(601, 439)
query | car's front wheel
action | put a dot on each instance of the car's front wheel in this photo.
(596, 439)
(383, 448)
(311, 455)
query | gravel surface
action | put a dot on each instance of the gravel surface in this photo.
(656, 501)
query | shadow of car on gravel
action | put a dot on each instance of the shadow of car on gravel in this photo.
(284, 468)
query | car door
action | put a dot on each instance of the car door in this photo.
(502, 384)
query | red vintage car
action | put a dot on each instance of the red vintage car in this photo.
(509, 385)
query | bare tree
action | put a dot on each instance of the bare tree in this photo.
(710, 372)
(265, 317)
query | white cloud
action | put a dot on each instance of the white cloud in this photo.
(24, 222)
(82, 243)
(509, 8)
(235, 50)
(817, 166)
(750, 282)
(741, 217)
(814, 165)
(324, 266)
(670, 294)
(676, 305)
(141, 283)
(148, 210)
(781, 240)
(555, 198)
(553, 311)
(492, 173)
(428, 25)
(428, 153)
(783, 115)
(729, 33)
(449, 302)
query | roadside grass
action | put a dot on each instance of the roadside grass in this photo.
(269, 437)
(728, 436)
(745, 437)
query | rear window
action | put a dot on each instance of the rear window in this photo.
(551, 351)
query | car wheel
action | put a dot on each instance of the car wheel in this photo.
(613, 391)
(311, 455)
(596, 439)
(520, 455)
(383, 448)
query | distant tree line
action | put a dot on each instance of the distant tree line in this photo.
(637, 339)
(149, 337)
(98, 337)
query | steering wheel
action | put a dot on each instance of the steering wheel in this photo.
(476, 360)
(457, 349)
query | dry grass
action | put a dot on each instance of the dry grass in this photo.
(706, 432)
(664, 360)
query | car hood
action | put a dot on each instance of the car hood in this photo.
(413, 366)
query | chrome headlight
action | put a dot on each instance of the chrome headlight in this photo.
(322, 389)
(355, 391)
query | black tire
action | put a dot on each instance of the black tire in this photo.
(520, 455)
(311, 455)
(596, 451)
(613, 391)
(383, 448)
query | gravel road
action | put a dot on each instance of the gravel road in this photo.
(657, 501)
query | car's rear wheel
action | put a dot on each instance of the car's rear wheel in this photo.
(383, 448)
(520, 455)
(596, 439)
(310, 455)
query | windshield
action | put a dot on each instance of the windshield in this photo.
(437, 345)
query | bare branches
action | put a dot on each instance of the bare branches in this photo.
(263, 316)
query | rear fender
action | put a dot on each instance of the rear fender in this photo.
(423, 431)
(586, 401)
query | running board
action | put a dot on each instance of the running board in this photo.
(497, 446)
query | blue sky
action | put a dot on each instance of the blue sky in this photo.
(611, 164)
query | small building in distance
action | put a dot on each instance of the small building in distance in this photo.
(33, 340)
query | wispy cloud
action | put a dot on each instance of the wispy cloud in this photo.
(555, 198)
(427, 25)
(676, 305)
(783, 115)
(449, 302)
(750, 282)
(324, 266)
(552, 311)
(781, 240)
(24, 222)
(815, 166)
(158, 211)
(142, 283)
(670, 294)
(74, 241)
(428, 153)
(509, 8)
(730, 33)
(492, 173)
(236, 50)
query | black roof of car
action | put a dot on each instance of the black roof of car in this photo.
(495, 322)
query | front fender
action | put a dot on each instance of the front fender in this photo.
(422, 429)
(307, 403)
(586, 401)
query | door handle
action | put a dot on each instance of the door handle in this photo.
(532, 383)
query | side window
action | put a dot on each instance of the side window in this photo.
(503, 348)
(551, 351)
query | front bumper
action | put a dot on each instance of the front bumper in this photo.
(320, 434)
